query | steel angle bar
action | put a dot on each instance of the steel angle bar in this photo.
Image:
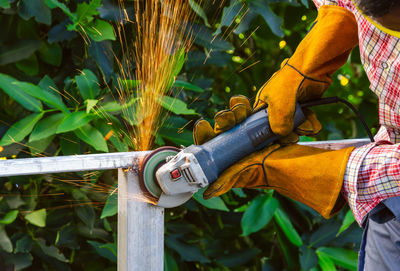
(71, 163)
(337, 144)
(104, 161)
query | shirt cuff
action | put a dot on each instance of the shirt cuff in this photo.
(349, 189)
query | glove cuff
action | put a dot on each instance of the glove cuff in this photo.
(309, 175)
(328, 43)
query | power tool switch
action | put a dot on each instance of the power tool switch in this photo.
(175, 174)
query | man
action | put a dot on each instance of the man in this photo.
(368, 178)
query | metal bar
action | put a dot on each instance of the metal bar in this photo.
(104, 161)
(140, 228)
(337, 144)
(71, 163)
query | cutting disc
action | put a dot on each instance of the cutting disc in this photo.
(150, 164)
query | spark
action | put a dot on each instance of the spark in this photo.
(251, 65)
(163, 36)
(250, 36)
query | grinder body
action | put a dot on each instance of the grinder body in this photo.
(200, 165)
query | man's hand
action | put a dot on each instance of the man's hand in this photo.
(310, 175)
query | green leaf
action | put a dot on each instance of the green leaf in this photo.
(343, 257)
(86, 11)
(245, 22)
(175, 106)
(116, 106)
(229, 14)
(128, 84)
(4, 4)
(51, 53)
(324, 234)
(51, 250)
(215, 203)
(74, 121)
(88, 84)
(15, 201)
(105, 128)
(305, 3)
(35, 8)
(9, 217)
(19, 261)
(39, 146)
(178, 61)
(5, 242)
(90, 104)
(187, 85)
(18, 51)
(30, 65)
(93, 137)
(325, 262)
(24, 245)
(199, 11)
(111, 206)
(172, 130)
(286, 225)
(17, 94)
(169, 262)
(238, 258)
(103, 251)
(289, 254)
(258, 214)
(48, 85)
(100, 30)
(347, 221)
(273, 20)
(56, 4)
(204, 37)
(308, 258)
(20, 129)
(66, 237)
(70, 144)
(46, 127)
(112, 247)
(187, 252)
(85, 212)
(48, 98)
(37, 218)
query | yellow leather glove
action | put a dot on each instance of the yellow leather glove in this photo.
(310, 175)
(307, 74)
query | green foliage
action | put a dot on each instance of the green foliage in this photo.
(37, 218)
(59, 84)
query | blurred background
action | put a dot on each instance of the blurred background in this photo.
(63, 59)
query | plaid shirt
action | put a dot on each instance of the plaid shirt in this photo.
(373, 171)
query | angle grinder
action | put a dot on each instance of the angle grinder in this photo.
(171, 176)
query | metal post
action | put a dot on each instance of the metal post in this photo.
(140, 228)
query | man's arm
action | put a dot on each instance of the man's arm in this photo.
(372, 175)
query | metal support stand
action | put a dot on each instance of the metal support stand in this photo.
(140, 228)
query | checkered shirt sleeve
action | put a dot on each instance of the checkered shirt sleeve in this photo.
(372, 175)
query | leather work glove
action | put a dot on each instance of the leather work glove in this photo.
(310, 175)
(307, 74)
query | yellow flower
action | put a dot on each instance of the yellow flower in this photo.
(344, 81)
(282, 44)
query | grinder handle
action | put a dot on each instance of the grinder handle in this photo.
(253, 134)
